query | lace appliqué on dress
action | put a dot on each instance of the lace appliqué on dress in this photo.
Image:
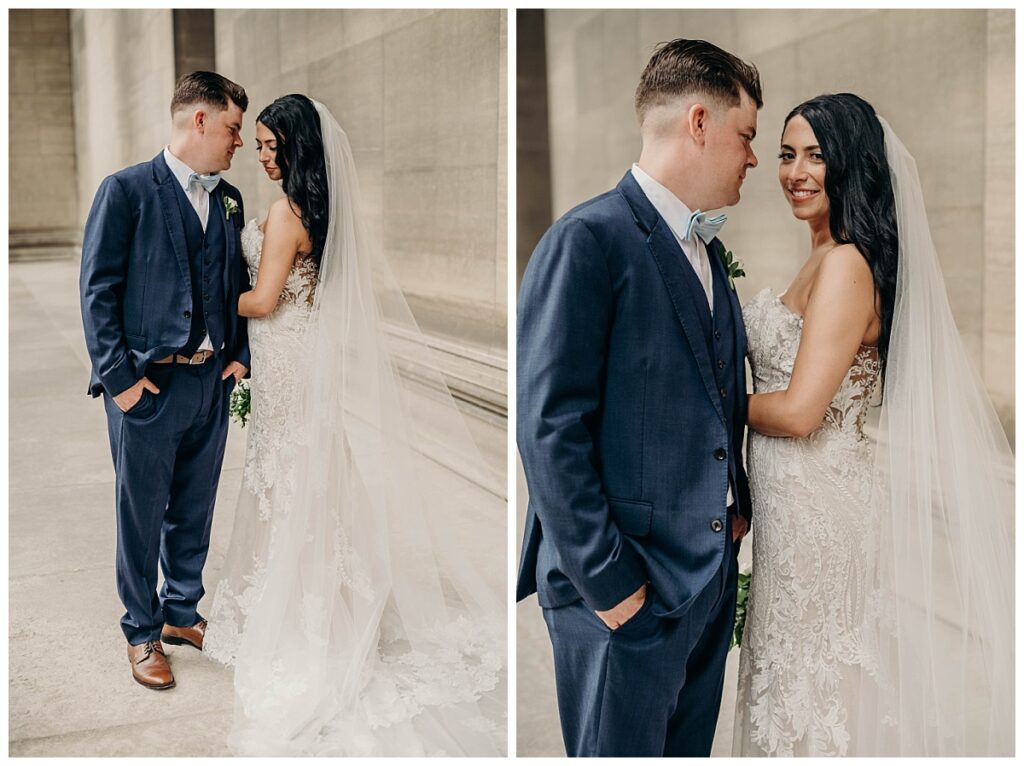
(810, 593)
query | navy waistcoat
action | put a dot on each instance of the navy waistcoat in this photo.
(719, 330)
(206, 253)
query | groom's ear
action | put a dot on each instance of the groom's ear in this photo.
(199, 118)
(697, 122)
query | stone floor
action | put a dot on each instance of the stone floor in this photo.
(70, 688)
(537, 729)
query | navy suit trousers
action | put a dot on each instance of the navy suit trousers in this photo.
(652, 687)
(167, 451)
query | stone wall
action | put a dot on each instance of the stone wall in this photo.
(43, 194)
(421, 95)
(943, 78)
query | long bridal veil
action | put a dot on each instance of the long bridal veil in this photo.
(372, 632)
(942, 629)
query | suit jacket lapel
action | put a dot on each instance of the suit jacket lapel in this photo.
(675, 271)
(230, 245)
(715, 251)
(172, 215)
(673, 266)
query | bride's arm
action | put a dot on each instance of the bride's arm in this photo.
(283, 238)
(839, 312)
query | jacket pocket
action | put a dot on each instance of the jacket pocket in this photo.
(632, 517)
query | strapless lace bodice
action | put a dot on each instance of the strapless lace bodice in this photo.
(809, 593)
(299, 287)
(773, 333)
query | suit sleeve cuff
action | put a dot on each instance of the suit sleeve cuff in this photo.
(119, 378)
(243, 356)
(621, 577)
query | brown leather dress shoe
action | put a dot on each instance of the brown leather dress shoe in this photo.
(192, 636)
(149, 665)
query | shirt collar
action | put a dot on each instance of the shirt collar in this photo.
(180, 170)
(668, 205)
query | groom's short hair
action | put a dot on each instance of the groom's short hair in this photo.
(207, 88)
(683, 67)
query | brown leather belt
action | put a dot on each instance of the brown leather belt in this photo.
(197, 358)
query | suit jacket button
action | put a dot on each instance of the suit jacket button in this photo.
(719, 454)
(718, 335)
(723, 392)
(188, 315)
(716, 525)
(721, 364)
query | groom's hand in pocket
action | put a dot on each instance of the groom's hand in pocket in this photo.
(622, 612)
(235, 368)
(130, 396)
(739, 527)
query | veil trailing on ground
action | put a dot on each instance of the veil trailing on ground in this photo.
(374, 632)
(943, 629)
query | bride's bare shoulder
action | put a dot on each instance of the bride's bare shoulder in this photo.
(843, 265)
(284, 221)
(284, 213)
(844, 283)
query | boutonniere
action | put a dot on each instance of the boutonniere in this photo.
(733, 267)
(230, 206)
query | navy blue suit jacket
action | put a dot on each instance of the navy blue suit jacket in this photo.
(135, 284)
(619, 414)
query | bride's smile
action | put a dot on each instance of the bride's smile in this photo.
(802, 171)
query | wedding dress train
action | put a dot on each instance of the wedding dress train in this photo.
(354, 623)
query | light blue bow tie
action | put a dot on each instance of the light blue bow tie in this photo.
(207, 182)
(705, 228)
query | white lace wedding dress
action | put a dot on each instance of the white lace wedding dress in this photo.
(880, 620)
(280, 353)
(802, 652)
(340, 673)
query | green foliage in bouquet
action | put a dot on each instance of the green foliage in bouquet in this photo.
(742, 594)
(239, 406)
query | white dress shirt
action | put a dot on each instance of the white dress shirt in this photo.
(200, 199)
(677, 215)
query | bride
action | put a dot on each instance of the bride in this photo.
(880, 616)
(354, 624)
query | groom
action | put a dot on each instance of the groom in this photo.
(632, 404)
(161, 274)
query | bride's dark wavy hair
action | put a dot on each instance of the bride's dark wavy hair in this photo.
(862, 209)
(295, 123)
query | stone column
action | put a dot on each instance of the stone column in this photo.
(533, 152)
(193, 41)
(43, 180)
(123, 78)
